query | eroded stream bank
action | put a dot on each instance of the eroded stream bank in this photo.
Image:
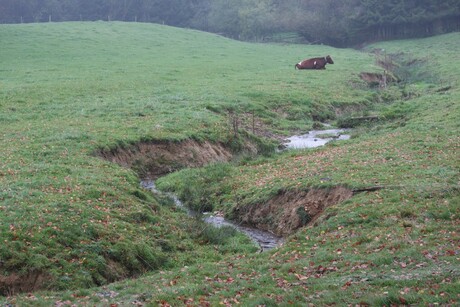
(266, 240)
(153, 159)
(267, 222)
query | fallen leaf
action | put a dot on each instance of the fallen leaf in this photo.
(301, 277)
(346, 285)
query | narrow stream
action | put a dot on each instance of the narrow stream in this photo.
(315, 138)
(265, 239)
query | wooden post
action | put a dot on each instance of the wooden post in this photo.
(253, 123)
(384, 79)
(233, 120)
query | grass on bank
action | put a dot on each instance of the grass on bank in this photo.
(69, 89)
(399, 245)
(395, 246)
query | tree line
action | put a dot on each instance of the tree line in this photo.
(333, 22)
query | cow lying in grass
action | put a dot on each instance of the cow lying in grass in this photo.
(315, 63)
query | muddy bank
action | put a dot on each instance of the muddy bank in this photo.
(156, 158)
(291, 210)
(282, 215)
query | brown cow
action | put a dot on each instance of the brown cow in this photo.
(314, 63)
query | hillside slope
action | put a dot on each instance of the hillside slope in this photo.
(70, 90)
(397, 243)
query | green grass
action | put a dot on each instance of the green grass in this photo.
(69, 89)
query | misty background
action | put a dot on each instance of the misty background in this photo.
(339, 23)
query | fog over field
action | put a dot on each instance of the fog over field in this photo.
(332, 22)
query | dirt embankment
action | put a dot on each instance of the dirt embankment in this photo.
(291, 210)
(281, 215)
(15, 283)
(156, 158)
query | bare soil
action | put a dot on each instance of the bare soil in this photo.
(281, 215)
(14, 283)
(378, 79)
(291, 210)
(154, 159)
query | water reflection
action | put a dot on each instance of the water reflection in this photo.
(315, 138)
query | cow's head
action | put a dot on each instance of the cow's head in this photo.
(329, 60)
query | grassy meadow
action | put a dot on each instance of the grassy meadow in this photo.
(75, 223)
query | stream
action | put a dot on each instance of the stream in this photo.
(315, 138)
(266, 240)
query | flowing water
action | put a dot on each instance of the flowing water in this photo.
(265, 239)
(315, 138)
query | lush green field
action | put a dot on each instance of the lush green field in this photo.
(70, 220)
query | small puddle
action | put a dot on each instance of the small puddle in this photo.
(315, 138)
(264, 239)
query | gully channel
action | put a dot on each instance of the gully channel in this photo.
(264, 239)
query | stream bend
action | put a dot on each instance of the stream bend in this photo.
(266, 240)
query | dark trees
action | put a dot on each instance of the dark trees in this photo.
(350, 22)
(393, 19)
(333, 22)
